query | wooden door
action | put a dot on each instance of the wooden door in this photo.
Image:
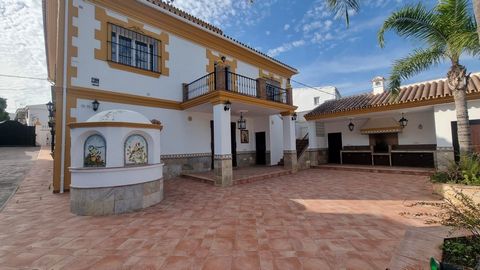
(334, 147)
(261, 148)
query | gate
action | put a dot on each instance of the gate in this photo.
(13, 133)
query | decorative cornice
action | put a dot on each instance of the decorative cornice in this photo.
(114, 124)
(180, 156)
(222, 157)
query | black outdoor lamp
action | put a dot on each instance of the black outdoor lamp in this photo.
(95, 105)
(351, 125)
(294, 116)
(51, 123)
(227, 106)
(49, 106)
(242, 123)
(403, 121)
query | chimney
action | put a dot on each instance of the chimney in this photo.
(378, 85)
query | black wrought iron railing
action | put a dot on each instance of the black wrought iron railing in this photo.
(200, 86)
(241, 84)
(229, 81)
(275, 93)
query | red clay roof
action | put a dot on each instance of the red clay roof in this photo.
(411, 93)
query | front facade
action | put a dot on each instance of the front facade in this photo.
(36, 116)
(416, 128)
(151, 58)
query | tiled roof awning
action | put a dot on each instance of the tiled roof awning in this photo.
(381, 125)
(419, 94)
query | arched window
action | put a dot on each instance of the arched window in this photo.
(136, 150)
(94, 151)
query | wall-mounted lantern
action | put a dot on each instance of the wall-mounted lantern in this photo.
(403, 121)
(351, 126)
(51, 123)
(242, 123)
(95, 105)
(227, 106)
(294, 116)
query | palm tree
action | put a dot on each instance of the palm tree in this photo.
(447, 31)
(476, 10)
(343, 7)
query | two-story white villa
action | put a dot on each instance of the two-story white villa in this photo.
(220, 102)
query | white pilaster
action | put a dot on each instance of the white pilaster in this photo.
(221, 130)
(289, 134)
(312, 135)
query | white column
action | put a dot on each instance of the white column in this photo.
(289, 134)
(221, 130)
(223, 146)
(312, 135)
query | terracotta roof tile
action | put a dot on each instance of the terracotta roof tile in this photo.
(415, 92)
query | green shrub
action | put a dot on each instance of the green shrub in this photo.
(440, 177)
(465, 172)
(462, 251)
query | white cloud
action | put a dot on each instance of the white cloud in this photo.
(22, 53)
(285, 47)
(267, 33)
(286, 27)
(220, 12)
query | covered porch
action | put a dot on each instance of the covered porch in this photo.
(245, 129)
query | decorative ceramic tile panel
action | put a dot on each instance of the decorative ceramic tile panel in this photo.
(94, 151)
(136, 150)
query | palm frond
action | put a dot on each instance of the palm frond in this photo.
(412, 22)
(416, 62)
(343, 7)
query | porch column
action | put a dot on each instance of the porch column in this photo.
(289, 142)
(222, 145)
(312, 143)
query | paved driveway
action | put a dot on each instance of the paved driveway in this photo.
(14, 164)
(315, 219)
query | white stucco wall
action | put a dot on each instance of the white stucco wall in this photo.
(303, 98)
(413, 133)
(445, 114)
(349, 138)
(276, 140)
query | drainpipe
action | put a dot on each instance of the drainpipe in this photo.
(64, 99)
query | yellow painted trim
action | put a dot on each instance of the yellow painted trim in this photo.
(390, 107)
(103, 37)
(72, 50)
(103, 95)
(115, 124)
(287, 113)
(140, 12)
(220, 96)
(213, 59)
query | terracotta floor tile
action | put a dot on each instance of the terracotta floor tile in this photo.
(315, 219)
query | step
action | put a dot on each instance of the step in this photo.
(378, 169)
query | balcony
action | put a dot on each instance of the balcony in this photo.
(224, 80)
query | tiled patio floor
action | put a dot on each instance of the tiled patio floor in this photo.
(315, 219)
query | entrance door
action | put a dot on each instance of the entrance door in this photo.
(334, 147)
(474, 134)
(233, 136)
(261, 148)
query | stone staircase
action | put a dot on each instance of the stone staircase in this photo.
(301, 146)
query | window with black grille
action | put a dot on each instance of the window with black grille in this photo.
(133, 49)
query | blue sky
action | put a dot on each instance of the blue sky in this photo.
(306, 35)
(302, 33)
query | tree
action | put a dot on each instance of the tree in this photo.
(343, 7)
(476, 10)
(3, 114)
(448, 31)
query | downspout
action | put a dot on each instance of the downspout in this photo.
(64, 98)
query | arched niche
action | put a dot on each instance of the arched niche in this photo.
(95, 151)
